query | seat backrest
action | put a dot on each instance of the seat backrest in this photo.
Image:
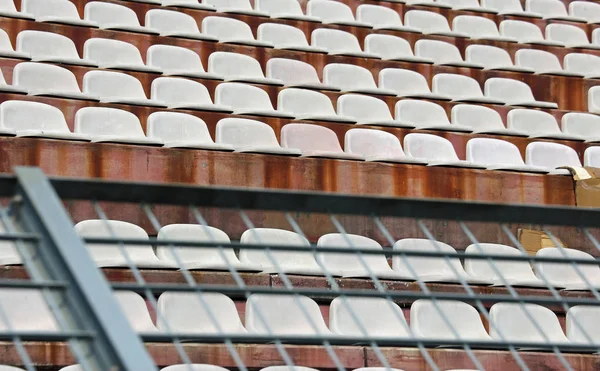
(198, 313)
(463, 320)
(279, 237)
(521, 30)
(5, 43)
(507, 269)
(363, 107)
(376, 15)
(24, 115)
(135, 310)
(490, 151)
(334, 40)
(388, 323)
(173, 90)
(329, 10)
(425, 266)
(488, 56)
(109, 84)
(566, 34)
(166, 21)
(551, 155)
(308, 137)
(173, 58)
(300, 102)
(582, 63)
(403, 82)
(242, 96)
(503, 5)
(109, 51)
(369, 142)
(591, 157)
(108, 121)
(40, 44)
(233, 4)
(8, 5)
(177, 126)
(109, 13)
(292, 71)
(439, 51)
(456, 86)
(232, 64)
(194, 367)
(420, 112)
(475, 26)
(348, 76)
(584, 124)
(32, 76)
(26, 310)
(50, 8)
(281, 35)
(585, 9)
(547, 8)
(284, 315)
(508, 89)
(387, 46)
(226, 28)
(532, 121)
(515, 322)
(537, 60)
(426, 21)
(279, 7)
(566, 274)
(351, 262)
(476, 117)
(582, 323)
(244, 132)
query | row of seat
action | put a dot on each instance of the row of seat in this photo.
(206, 367)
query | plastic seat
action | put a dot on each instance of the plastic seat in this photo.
(284, 315)
(205, 258)
(442, 53)
(180, 130)
(525, 33)
(569, 36)
(459, 321)
(508, 7)
(481, 120)
(286, 37)
(382, 18)
(479, 28)
(425, 115)
(238, 67)
(295, 73)
(184, 94)
(429, 3)
(538, 124)
(591, 157)
(114, 17)
(250, 136)
(338, 42)
(492, 58)
(115, 54)
(377, 146)
(34, 119)
(437, 269)
(515, 323)
(514, 273)
(593, 99)
(582, 324)
(353, 79)
(550, 156)
(388, 47)
(586, 10)
(246, 100)
(55, 11)
(11, 368)
(231, 31)
(333, 12)
(513, 93)
(289, 262)
(429, 23)
(309, 105)
(407, 84)
(583, 64)
(366, 110)
(468, 5)
(583, 125)
(110, 255)
(198, 313)
(9, 10)
(191, 4)
(287, 368)
(135, 310)
(117, 87)
(498, 154)
(26, 310)
(437, 151)
(461, 88)
(177, 61)
(111, 125)
(565, 275)
(551, 10)
(314, 141)
(175, 24)
(235, 7)
(388, 323)
(284, 9)
(544, 63)
(194, 367)
(48, 80)
(46, 47)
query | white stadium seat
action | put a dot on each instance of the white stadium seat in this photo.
(583, 64)
(543, 62)
(117, 87)
(55, 11)
(206, 258)
(180, 130)
(238, 67)
(551, 10)
(407, 84)
(111, 125)
(593, 99)
(498, 154)
(389, 47)
(569, 36)
(367, 110)
(285, 315)
(246, 100)
(283, 9)
(286, 37)
(467, 5)
(314, 141)
(288, 368)
(377, 146)
(425, 115)
(35, 119)
(538, 124)
(250, 136)
(46, 47)
(193, 367)
(198, 313)
(177, 61)
(27, 311)
(525, 32)
(48, 80)
(338, 42)
(191, 4)
(235, 7)
(441, 53)
(429, 3)
(565, 275)
(175, 24)
(110, 255)
(353, 79)
(11, 368)
(550, 156)
(478, 28)
(587, 10)
(135, 310)
(279, 261)
(492, 58)
(583, 125)
(333, 12)
(591, 157)
(429, 23)
(508, 7)
(481, 119)
(514, 93)
(111, 16)
(381, 18)
(295, 73)
(231, 31)
(309, 105)
(9, 10)
(181, 93)
(582, 324)
(115, 54)
(460, 88)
